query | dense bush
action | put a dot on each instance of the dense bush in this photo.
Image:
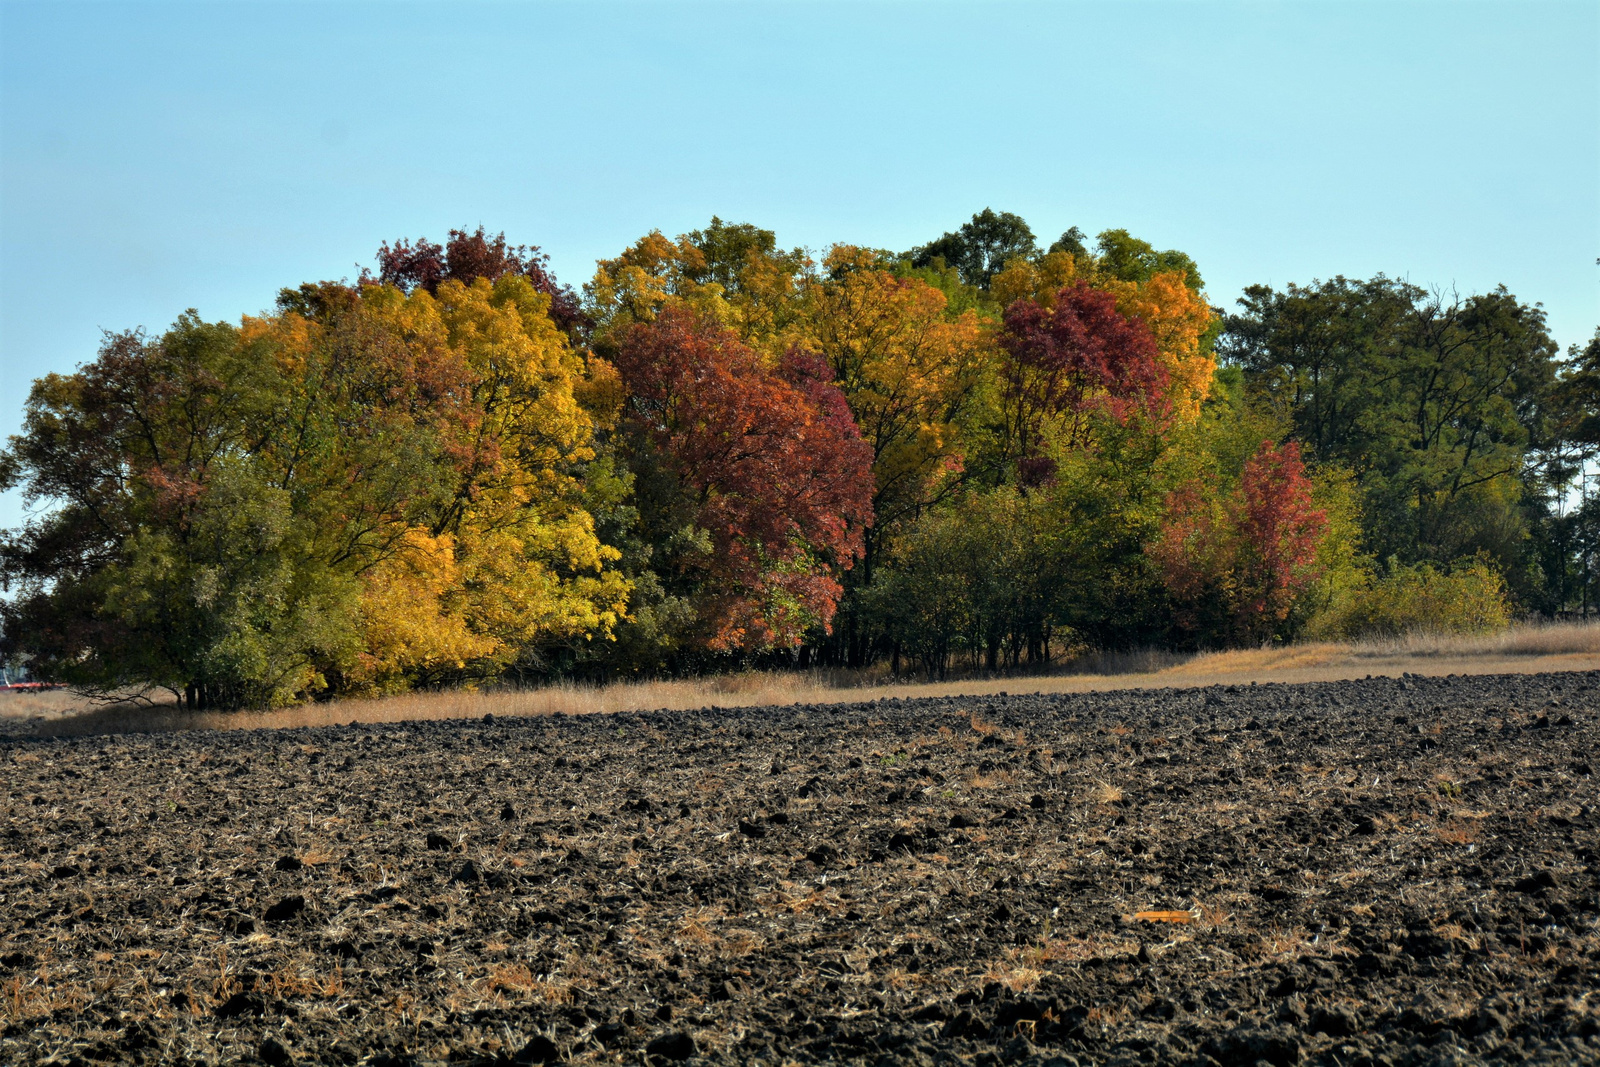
(1467, 598)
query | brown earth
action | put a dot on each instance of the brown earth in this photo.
(1396, 871)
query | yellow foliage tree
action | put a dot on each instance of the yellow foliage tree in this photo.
(635, 286)
(906, 368)
(1038, 281)
(472, 396)
(745, 283)
(414, 616)
(533, 567)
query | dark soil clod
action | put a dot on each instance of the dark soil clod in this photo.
(273, 1053)
(1536, 883)
(823, 855)
(285, 909)
(539, 1049)
(671, 1047)
(241, 1004)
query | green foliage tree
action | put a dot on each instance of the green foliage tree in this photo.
(1435, 405)
(924, 600)
(175, 556)
(980, 248)
(734, 255)
(1071, 242)
(1126, 258)
(1575, 403)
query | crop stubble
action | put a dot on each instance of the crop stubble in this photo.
(1387, 871)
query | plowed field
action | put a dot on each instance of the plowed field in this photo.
(1379, 872)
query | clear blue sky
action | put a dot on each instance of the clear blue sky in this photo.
(155, 157)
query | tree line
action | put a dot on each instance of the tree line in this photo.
(978, 453)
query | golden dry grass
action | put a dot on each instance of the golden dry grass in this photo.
(49, 704)
(1521, 649)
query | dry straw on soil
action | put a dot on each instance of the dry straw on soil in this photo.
(1518, 650)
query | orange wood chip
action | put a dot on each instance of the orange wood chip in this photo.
(1163, 916)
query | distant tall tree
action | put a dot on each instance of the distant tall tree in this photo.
(981, 247)
(1126, 258)
(1576, 402)
(1565, 443)
(732, 252)
(1071, 242)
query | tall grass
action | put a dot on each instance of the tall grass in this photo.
(564, 698)
(1525, 639)
(1560, 646)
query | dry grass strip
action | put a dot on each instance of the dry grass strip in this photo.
(1523, 649)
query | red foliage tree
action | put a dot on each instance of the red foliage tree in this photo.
(1193, 559)
(1235, 566)
(1077, 356)
(1280, 529)
(466, 256)
(774, 462)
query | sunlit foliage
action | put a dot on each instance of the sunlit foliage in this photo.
(978, 454)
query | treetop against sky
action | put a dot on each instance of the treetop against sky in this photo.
(206, 155)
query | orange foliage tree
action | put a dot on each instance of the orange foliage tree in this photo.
(1180, 321)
